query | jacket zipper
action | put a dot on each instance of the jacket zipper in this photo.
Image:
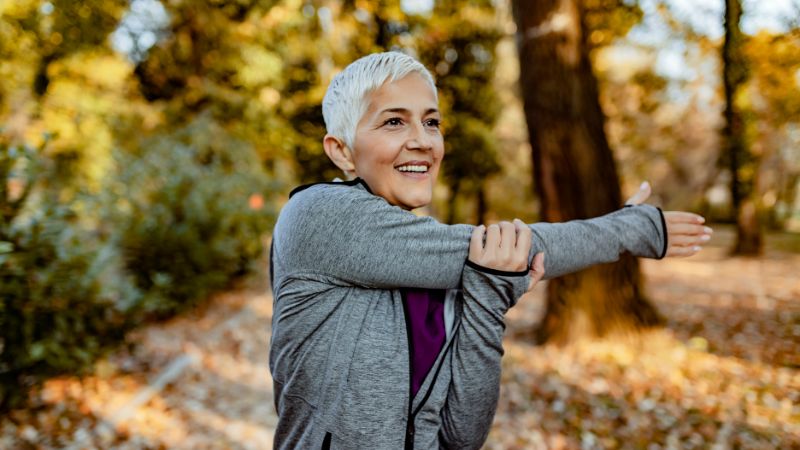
(410, 429)
(409, 441)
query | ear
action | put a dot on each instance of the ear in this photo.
(339, 153)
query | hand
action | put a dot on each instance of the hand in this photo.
(506, 248)
(685, 231)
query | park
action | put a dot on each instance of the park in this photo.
(148, 147)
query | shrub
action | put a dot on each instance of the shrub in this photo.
(62, 304)
(188, 213)
(174, 221)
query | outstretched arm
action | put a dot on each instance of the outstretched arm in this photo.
(351, 236)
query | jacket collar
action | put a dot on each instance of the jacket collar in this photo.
(354, 182)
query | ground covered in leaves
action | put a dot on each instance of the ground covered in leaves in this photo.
(724, 373)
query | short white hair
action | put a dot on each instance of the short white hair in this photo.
(345, 101)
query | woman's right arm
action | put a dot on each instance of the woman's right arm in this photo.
(348, 234)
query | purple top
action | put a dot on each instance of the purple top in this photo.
(427, 332)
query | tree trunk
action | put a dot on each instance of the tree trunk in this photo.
(742, 163)
(482, 205)
(574, 171)
(452, 211)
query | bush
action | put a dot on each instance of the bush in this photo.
(174, 221)
(62, 304)
(189, 214)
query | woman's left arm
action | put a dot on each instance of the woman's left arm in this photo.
(493, 280)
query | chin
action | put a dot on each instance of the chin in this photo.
(418, 202)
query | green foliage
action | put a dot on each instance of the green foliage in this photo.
(473, 153)
(608, 20)
(91, 245)
(772, 107)
(188, 213)
(177, 220)
(258, 67)
(459, 44)
(56, 29)
(62, 304)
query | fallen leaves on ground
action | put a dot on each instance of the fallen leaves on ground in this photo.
(219, 398)
(724, 373)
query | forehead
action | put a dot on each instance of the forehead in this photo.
(411, 92)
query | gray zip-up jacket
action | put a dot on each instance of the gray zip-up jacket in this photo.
(339, 352)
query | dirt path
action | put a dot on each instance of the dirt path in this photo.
(201, 381)
(196, 382)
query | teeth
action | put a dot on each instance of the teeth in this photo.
(419, 169)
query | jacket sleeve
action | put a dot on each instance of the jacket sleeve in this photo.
(356, 238)
(475, 385)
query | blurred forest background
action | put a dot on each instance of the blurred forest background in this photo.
(146, 147)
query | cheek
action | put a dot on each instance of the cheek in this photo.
(439, 148)
(371, 157)
(381, 152)
(439, 157)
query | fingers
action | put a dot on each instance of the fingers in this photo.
(524, 240)
(492, 237)
(508, 239)
(686, 233)
(683, 217)
(641, 195)
(683, 251)
(507, 246)
(687, 228)
(476, 243)
(689, 243)
(689, 240)
(537, 270)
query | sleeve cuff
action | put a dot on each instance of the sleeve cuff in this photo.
(666, 235)
(663, 228)
(502, 273)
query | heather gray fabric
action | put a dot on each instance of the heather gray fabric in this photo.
(474, 362)
(339, 350)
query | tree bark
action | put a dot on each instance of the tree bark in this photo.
(573, 168)
(742, 163)
(452, 211)
(482, 205)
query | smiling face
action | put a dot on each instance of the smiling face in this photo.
(398, 145)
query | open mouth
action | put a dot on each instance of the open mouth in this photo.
(414, 167)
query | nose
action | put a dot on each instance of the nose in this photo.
(419, 139)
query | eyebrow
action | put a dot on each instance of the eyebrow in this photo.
(406, 111)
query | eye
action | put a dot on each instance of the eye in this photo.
(394, 122)
(433, 123)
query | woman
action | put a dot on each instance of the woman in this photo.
(387, 327)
